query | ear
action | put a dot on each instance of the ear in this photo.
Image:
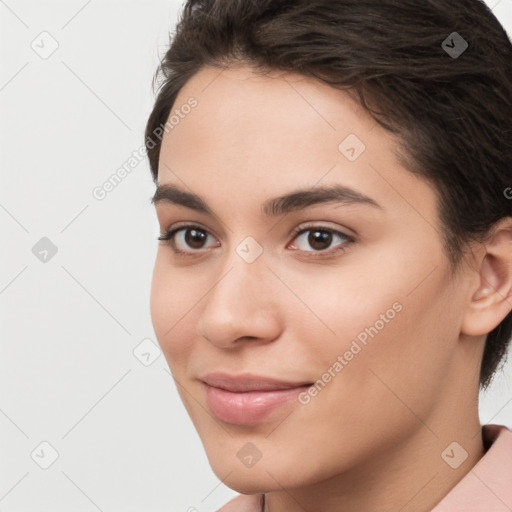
(490, 298)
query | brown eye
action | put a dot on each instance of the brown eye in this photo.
(320, 240)
(186, 239)
(195, 238)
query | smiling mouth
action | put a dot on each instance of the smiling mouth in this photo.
(249, 382)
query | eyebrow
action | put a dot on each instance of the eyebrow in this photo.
(289, 202)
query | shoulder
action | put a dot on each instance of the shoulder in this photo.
(243, 503)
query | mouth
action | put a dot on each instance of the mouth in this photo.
(249, 382)
(248, 399)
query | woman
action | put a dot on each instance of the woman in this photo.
(333, 284)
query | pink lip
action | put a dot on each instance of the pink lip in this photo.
(248, 382)
(247, 399)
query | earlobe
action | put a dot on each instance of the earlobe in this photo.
(491, 302)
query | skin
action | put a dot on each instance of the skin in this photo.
(372, 439)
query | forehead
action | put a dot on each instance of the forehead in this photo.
(278, 109)
(264, 135)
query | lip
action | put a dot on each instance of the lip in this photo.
(249, 382)
(248, 399)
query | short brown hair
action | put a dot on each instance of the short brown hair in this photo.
(452, 114)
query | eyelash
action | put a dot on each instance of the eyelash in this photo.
(168, 239)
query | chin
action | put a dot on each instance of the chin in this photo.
(247, 486)
(243, 480)
(262, 477)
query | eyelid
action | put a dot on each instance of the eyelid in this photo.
(321, 225)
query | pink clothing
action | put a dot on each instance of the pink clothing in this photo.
(488, 485)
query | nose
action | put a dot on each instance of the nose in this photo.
(242, 305)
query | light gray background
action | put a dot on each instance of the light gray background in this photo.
(69, 326)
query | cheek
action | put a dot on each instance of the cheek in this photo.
(389, 315)
(338, 304)
(171, 301)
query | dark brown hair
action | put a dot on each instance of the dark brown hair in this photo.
(451, 112)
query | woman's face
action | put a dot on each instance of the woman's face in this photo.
(362, 302)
